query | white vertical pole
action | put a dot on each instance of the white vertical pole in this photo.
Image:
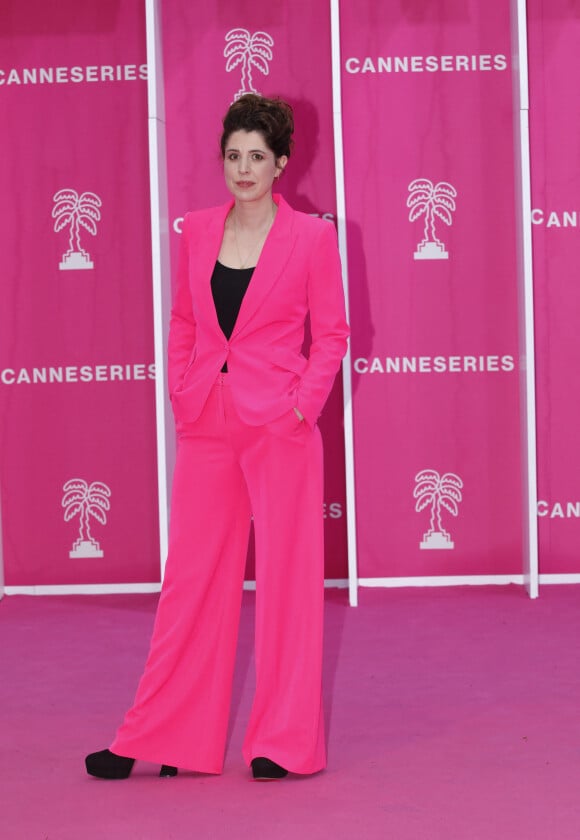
(160, 257)
(346, 365)
(526, 294)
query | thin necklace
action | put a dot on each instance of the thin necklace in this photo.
(261, 238)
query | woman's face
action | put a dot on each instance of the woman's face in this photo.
(250, 166)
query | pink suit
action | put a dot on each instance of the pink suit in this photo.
(242, 452)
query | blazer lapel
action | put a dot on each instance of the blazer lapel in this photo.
(208, 249)
(275, 254)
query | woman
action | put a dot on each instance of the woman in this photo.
(246, 401)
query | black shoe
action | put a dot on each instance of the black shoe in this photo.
(264, 769)
(107, 765)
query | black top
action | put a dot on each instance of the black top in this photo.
(228, 287)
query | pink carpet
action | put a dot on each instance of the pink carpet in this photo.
(453, 714)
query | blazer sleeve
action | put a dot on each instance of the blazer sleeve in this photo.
(328, 325)
(182, 326)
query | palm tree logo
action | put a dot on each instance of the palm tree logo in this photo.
(86, 500)
(250, 51)
(77, 211)
(433, 202)
(439, 491)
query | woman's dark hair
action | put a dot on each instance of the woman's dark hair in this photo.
(272, 118)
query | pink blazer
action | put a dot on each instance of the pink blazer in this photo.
(298, 274)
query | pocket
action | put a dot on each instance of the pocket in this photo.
(287, 425)
(191, 361)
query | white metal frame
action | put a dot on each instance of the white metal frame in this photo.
(555, 577)
(161, 265)
(123, 588)
(530, 576)
(161, 294)
(526, 296)
(161, 302)
(441, 580)
(342, 244)
(83, 589)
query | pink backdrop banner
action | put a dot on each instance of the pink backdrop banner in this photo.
(429, 160)
(554, 49)
(213, 52)
(427, 113)
(77, 446)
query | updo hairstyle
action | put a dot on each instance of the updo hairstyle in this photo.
(272, 118)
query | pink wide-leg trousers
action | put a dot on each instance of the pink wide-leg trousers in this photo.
(226, 472)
